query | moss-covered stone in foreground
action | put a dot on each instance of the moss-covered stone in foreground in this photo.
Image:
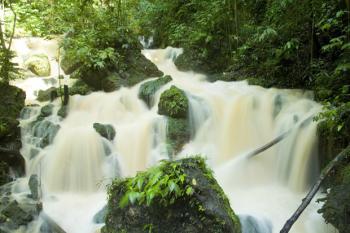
(179, 196)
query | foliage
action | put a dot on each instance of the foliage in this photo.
(164, 183)
(173, 103)
(175, 196)
(8, 69)
(336, 209)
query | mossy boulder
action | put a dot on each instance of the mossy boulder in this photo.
(135, 68)
(105, 130)
(173, 103)
(179, 196)
(39, 64)
(178, 134)
(193, 60)
(148, 89)
(48, 94)
(80, 88)
(69, 64)
(11, 100)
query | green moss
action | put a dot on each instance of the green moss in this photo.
(173, 103)
(80, 88)
(148, 89)
(178, 196)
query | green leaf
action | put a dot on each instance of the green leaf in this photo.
(189, 191)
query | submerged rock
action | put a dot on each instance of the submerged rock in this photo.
(100, 216)
(39, 64)
(14, 214)
(173, 103)
(63, 111)
(148, 89)
(105, 130)
(179, 196)
(34, 186)
(178, 134)
(45, 131)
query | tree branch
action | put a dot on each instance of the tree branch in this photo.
(306, 201)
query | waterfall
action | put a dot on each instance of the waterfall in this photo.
(227, 120)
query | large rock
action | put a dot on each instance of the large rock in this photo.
(148, 89)
(69, 64)
(173, 103)
(44, 132)
(105, 130)
(39, 64)
(11, 104)
(136, 68)
(179, 196)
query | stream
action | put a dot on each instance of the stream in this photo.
(227, 121)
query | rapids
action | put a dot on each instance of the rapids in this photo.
(228, 120)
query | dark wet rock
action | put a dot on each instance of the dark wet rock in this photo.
(148, 89)
(251, 224)
(178, 134)
(4, 173)
(105, 130)
(173, 103)
(80, 88)
(63, 111)
(179, 196)
(34, 186)
(48, 94)
(14, 214)
(100, 216)
(46, 131)
(34, 152)
(136, 69)
(8, 127)
(11, 104)
(46, 110)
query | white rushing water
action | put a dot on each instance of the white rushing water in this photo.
(228, 120)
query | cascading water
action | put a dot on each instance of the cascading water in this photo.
(228, 120)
